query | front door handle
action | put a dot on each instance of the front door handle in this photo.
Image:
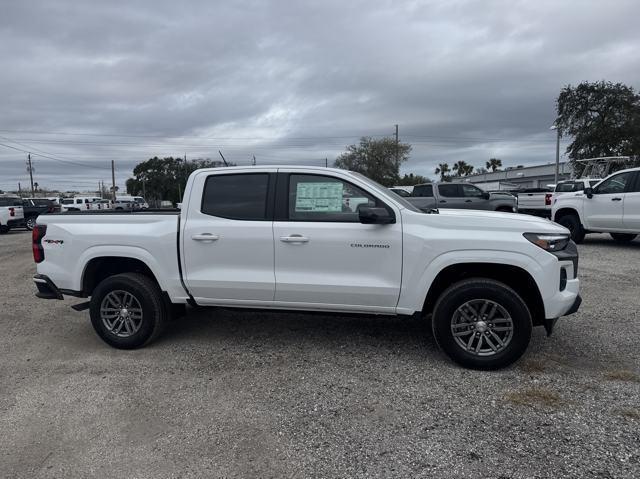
(467, 201)
(443, 201)
(294, 239)
(205, 237)
(616, 199)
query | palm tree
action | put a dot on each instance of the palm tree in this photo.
(442, 170)
(462, 168)
(494, 164)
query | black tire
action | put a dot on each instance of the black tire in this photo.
(147, 293)
(572, 223)
(493, 292)
(4, 229)
(623, 237)
(30, 223)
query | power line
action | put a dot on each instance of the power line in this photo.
(47, 156)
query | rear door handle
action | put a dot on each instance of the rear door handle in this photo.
(467, 201)
(294, 239)
(616, 199)
(205, 237)
(443, 201)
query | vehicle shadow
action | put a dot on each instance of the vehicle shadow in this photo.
(607, 242)
(302, 330)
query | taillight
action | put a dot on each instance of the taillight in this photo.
(12, 211)
(88, 206)
(547, 199)
(36, 242)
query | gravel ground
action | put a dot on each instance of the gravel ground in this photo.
(245, 394)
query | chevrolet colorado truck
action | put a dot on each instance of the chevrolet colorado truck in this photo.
(612, 206)
(429, 196)
(313, 239)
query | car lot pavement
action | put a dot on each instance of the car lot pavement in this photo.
(246, 394)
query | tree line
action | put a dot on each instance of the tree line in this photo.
(602, 119)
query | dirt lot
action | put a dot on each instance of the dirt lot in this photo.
(244, 394)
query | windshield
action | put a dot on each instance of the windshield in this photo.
(381, 189)
(568, 187)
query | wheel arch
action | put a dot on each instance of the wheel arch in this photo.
(566, 211)
(516, 277)
(99, 268)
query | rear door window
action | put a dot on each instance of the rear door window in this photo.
(448, 191)
(238, 197)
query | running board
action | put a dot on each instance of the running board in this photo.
(81, 306)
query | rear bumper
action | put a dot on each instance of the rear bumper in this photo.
(46, 288)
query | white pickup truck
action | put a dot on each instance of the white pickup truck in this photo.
(612, 206)
(313, 239)
(11, 213)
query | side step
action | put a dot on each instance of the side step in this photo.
(81, 306)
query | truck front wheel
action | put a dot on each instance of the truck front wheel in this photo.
(482, 324)
(127, 310)
(572, 223)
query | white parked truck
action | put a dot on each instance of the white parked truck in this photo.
(11, 213)
(313, 239)
(612, 206)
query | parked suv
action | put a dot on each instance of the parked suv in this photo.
(11, 213)
(612, 206)
(430, 196)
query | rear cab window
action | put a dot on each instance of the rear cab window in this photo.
(423, 191)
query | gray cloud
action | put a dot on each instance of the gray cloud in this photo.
(294, 81)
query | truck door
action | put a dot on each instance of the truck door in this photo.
(227, 238)
(450, 196)
(474, 198)
(324, 257)
(604, 210)
(631, 206)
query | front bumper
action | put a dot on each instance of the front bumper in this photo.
(46, 288)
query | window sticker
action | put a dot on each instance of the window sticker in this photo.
(319, 197)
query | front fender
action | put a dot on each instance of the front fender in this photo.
(416, 287)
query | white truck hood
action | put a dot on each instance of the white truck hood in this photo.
(499, 221)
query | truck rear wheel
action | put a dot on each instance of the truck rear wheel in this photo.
(623, 237)
(127, 310)
(4, 229)
(482, 324)
(572, 223)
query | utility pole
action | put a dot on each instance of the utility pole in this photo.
(113, 179)
(144, 192)
(19, 190)
(30, 168)
(254, 160)
(555, 127)
(397, 151)
(326, 162)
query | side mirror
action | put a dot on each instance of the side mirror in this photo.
(588, 192)
(486, 195)
(379, 216)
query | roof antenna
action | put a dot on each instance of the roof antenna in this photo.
(225, 161)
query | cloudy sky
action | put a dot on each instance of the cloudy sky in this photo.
(293, 82)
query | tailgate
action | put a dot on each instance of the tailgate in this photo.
(532, 201)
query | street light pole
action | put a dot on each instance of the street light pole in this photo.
(555, 127)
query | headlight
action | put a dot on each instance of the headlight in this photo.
(548, 242)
